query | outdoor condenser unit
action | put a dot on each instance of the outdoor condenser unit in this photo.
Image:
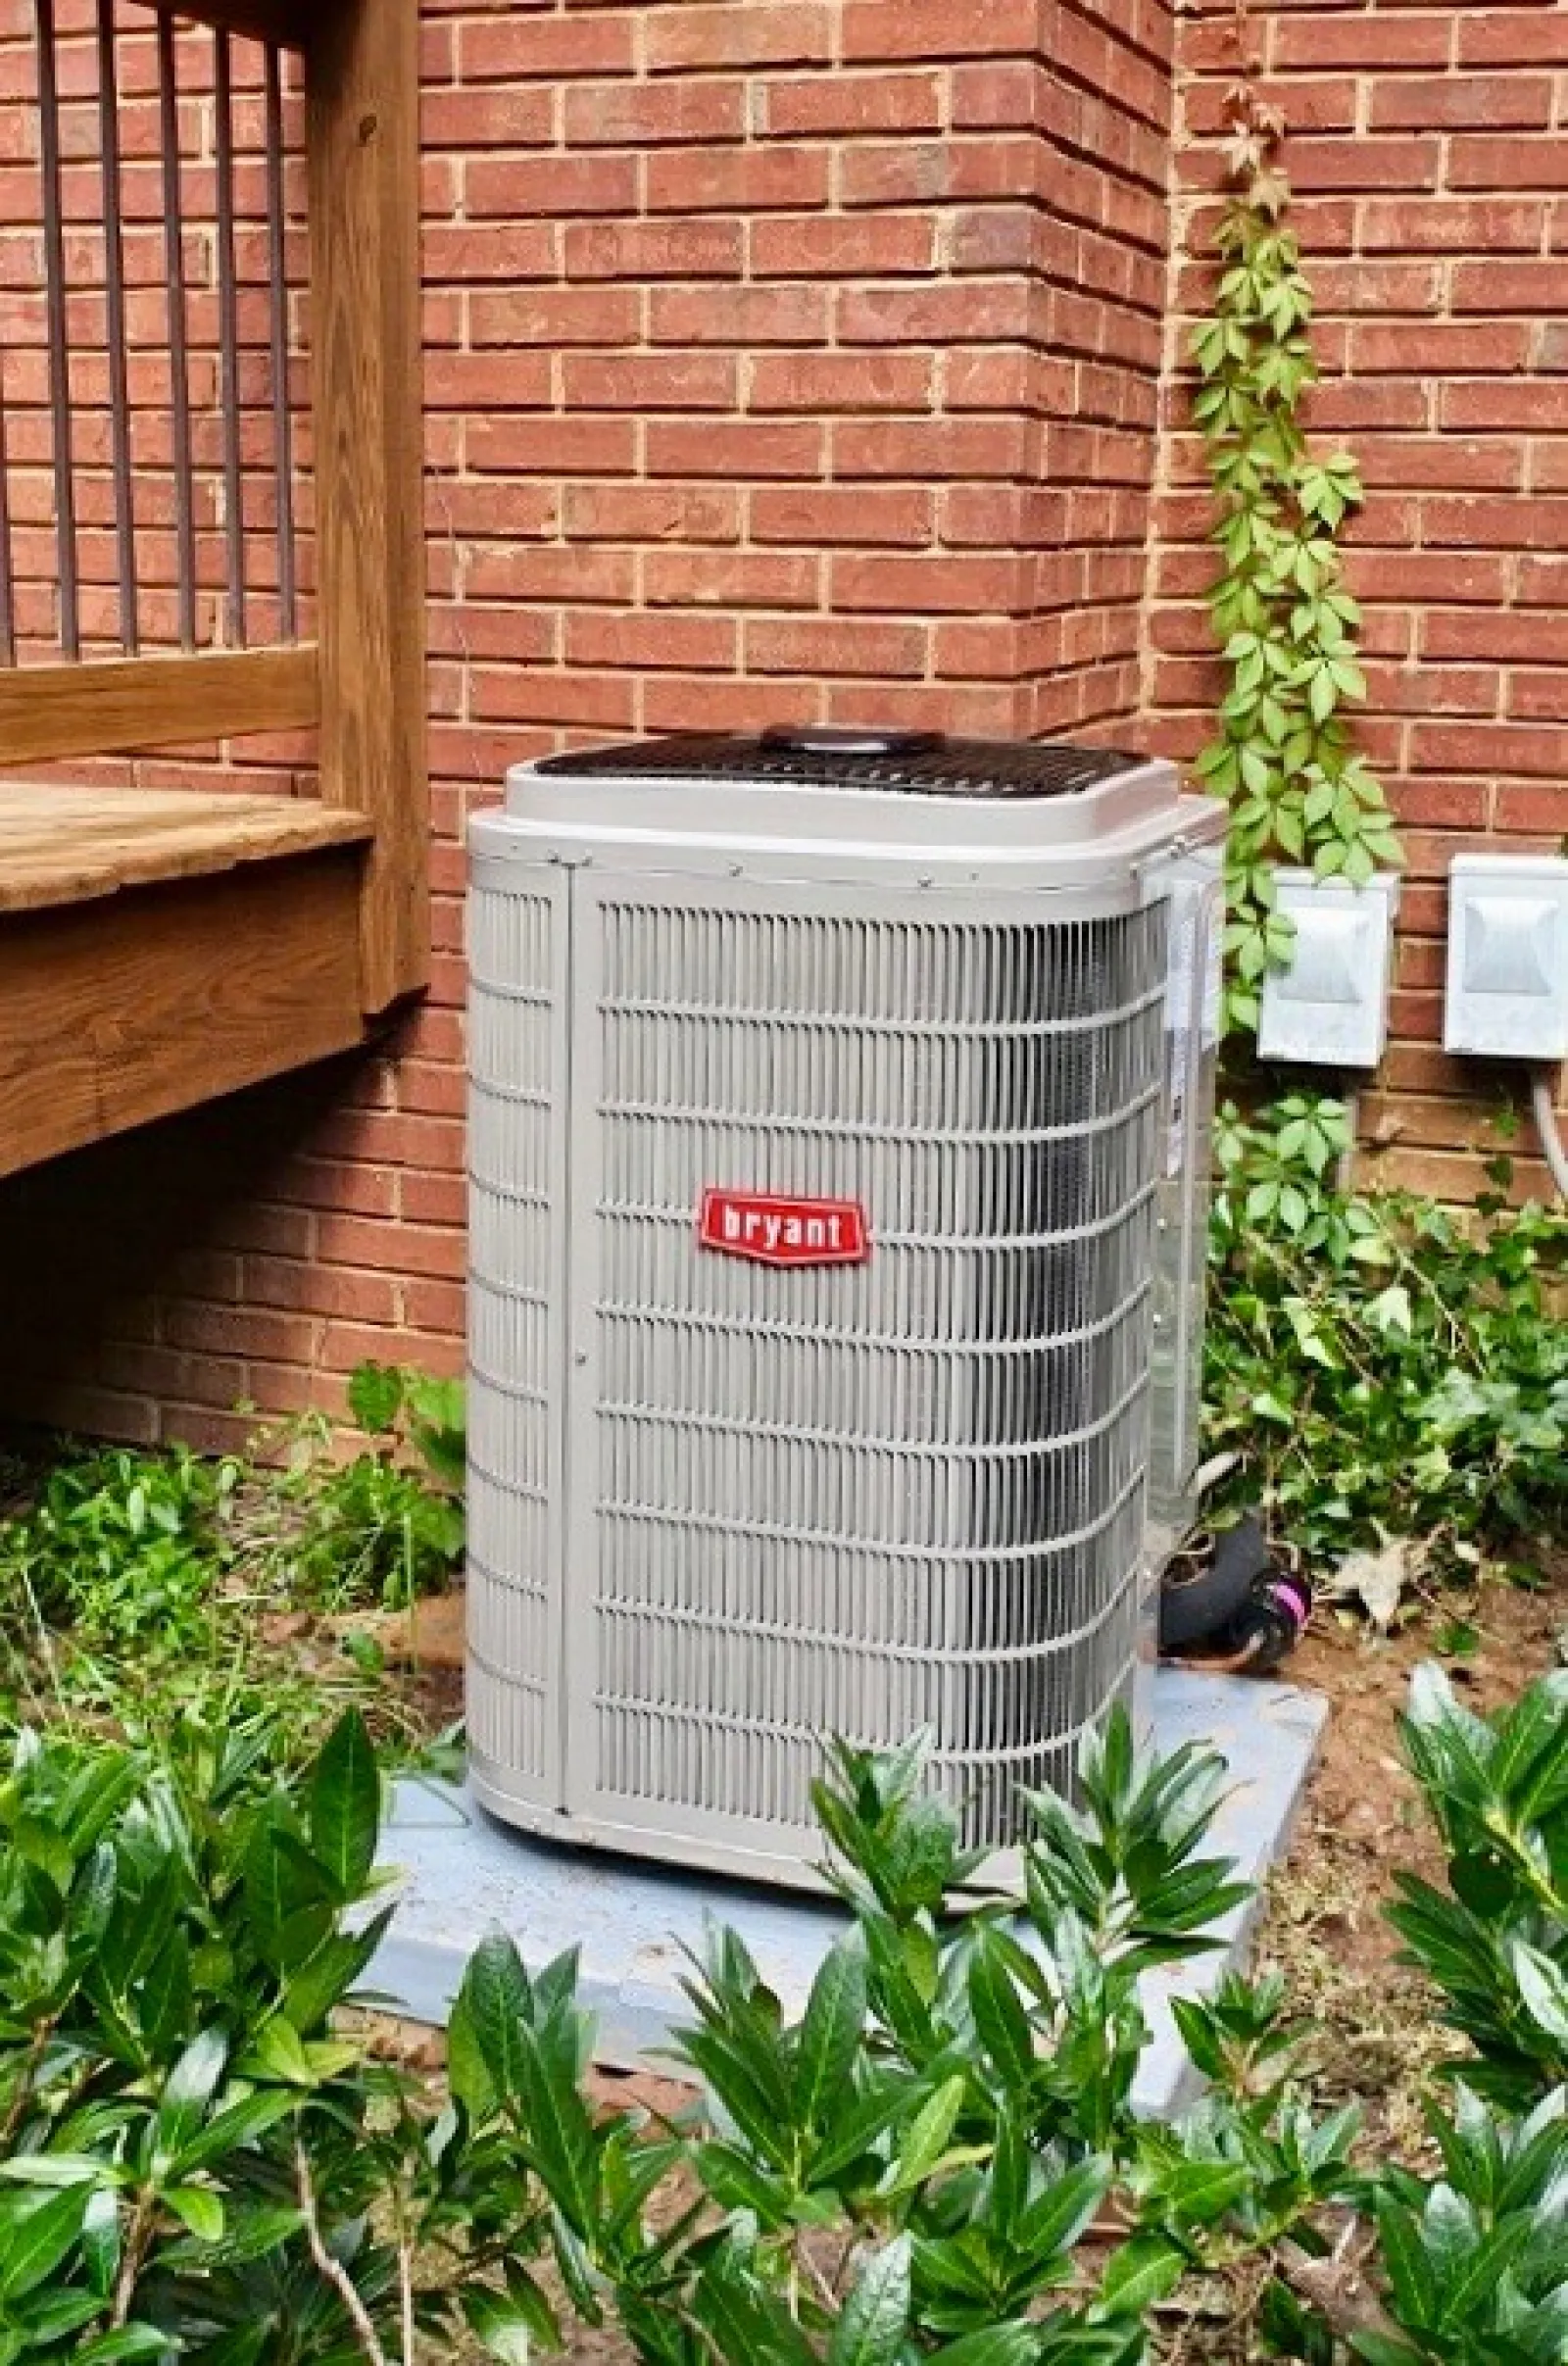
(839, 1124)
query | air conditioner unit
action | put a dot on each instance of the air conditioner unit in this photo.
(838, 1143)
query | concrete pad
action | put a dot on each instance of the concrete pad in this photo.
(462, 1874)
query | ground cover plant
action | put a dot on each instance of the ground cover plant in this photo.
(1381, 1367)
(198, 2158)
(387, 1525)
(139, 1588)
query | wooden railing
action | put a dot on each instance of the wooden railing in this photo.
(162, 603)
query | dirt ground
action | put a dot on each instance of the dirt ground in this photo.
(1374, 2035)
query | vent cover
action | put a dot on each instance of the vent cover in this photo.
(721, 1510)
(921, 762)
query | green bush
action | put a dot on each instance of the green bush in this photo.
(1497, 1943)
(199, 2159)
(1378, 1364)
(192, 2161)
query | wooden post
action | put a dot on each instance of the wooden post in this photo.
(362, 111)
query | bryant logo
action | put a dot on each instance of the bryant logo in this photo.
(773, 1231)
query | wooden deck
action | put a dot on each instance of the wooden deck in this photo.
(161, 948)
(158, 948)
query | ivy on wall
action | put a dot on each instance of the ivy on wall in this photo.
(1283, 758)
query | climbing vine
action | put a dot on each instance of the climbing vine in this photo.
(1283, 758)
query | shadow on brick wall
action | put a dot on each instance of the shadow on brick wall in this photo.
(96, 1247)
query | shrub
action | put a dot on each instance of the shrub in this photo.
(1380, 1365)
(196, 2159)
(194, 2162)
(1497, 1944)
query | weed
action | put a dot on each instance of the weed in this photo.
(141, 1590)
(377, 1531)
(127, 1547)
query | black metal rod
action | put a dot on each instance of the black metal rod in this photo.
(178, 351)
(8, 621)
(277, 292)
(228, 344)
(115, 327)
(54, 246)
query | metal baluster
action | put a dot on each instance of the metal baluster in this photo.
(54, 245)
(228, 344)
(178, 353)
(8, 623)
(277, 288)
(115, 327)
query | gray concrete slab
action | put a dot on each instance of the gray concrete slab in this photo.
(462, 1874)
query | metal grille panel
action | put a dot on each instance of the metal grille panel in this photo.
(516, 965)
(908, 761)
(857, 1500)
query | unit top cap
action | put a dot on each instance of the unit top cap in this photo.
(831, 757)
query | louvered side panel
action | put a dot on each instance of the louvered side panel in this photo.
(856, 1499)
(1192, 1028)
(518, 952)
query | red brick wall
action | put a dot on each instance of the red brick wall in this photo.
(789, 357)
(1429, 153)
(800, 355)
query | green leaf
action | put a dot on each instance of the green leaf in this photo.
(236, 2129)
(871, 2329)
(737, 2183)
(1201, 2191)
(856, 2126)
(1544, 1987)
(343, 1807)
(127, 2342)
(742, 2320)
(187, 2093)
(500, 2325)
(1000, 2016)
(376, 1398)
(1411, 2276)
(1480, 2278)
(557, 2119)
(277, 2052)
(926, 2137)
(993, 2345)
(1057, 2221)
(495, 2001)
(32, 2246)
(831, 2030)
(100, 2240)
(199, 2208)
(1142, 2273)
(1390, 1310)
(287, 1894)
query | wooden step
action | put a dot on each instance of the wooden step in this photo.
(160, 948)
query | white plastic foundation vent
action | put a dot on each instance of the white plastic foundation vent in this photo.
(827, 1102)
